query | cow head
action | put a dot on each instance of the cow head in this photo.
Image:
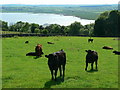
(89, 51)
(114, 51)
(51, 56)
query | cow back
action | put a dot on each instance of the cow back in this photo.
(91, 57)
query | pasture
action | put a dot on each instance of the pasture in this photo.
(21, 71)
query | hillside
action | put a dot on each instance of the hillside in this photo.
(82, 11)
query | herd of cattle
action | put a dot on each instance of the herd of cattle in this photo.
(57, 60)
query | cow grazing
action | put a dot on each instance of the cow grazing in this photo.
(26, 41)
(116, 52)
(107, 47)
(50, 42)
(91, 57)
(90, 40)
(38, 50)
(57, 60)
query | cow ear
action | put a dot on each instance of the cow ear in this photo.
(86, 50)
(46, 56)
(55, 56)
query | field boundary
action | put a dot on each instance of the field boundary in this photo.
(41, 35)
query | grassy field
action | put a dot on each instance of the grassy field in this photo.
(21, 71)
(10, 32)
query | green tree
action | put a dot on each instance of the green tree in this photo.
(44, 31)
(3, 26)
(75, 28)
(107, 24)
(33, 27)
(99, 29)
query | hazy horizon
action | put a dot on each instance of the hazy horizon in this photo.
(59, 2)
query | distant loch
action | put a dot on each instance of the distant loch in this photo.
(42, 18)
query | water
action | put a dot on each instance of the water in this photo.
(42, 18)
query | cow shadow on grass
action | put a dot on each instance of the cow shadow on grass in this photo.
(33, 54)
(37, 57)
(50, 83)
(92, 71)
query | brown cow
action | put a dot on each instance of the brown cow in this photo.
(38, 50)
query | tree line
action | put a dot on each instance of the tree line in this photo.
(75, 28)
(107, 24)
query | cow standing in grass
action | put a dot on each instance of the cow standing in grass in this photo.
(57, 60)
(38, 50)
(91, 57)
(90, 40)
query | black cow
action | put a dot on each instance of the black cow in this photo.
(50, 42)
(90, 40)
(57, 60)
(26, 41)
(116, 52)
(91, 57)
(107, 47)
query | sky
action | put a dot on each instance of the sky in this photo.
(49, 2)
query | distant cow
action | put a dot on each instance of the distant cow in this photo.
(26, 41)
(116, 39)
(107, 47)
(50, 42)
(57, 60)
(90, 40)
(116, 52)
(91, 57)
(38, 50)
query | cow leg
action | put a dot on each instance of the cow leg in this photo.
(86, 66)
(60, 70)
(52, 74)
(96, 65)
(56, 74)
(63, 71)
(92, 66)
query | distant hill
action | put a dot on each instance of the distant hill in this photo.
(82, 11)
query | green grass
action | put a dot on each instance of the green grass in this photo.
(10, 32)
(20, 71)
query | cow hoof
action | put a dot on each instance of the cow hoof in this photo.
(52, 78)
(96, 69)
(91, 70)
(55, 79)
(61, 75)
(85, 69)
